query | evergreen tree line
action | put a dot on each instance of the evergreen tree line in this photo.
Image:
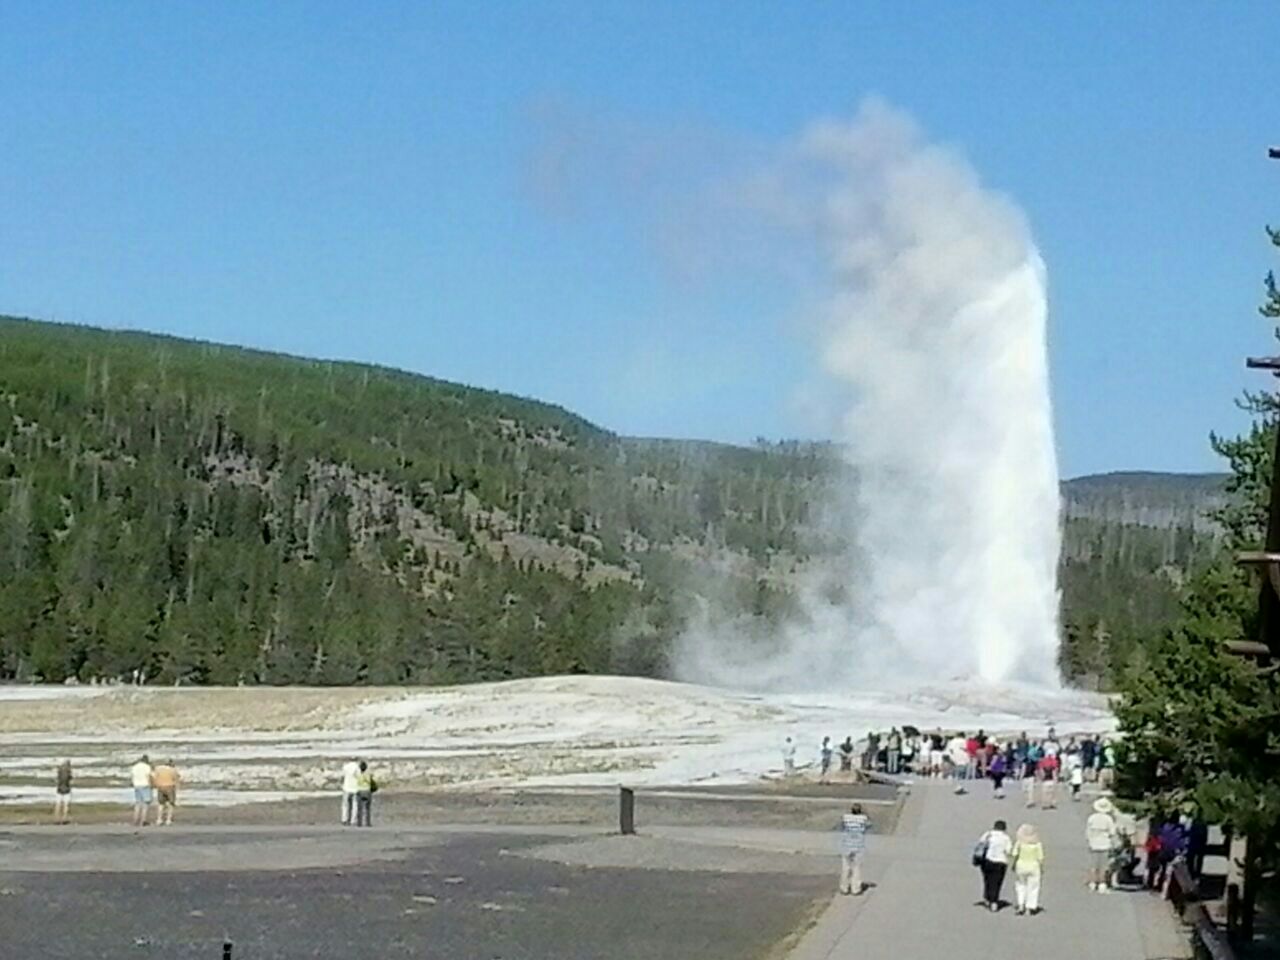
(192, 513)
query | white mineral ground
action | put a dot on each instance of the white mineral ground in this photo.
(237, 745)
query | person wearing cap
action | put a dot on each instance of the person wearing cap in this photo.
(1028, 868)
(1100, 833)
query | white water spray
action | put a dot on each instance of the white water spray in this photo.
(934, 336)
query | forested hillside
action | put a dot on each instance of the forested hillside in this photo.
(1129, 542)
(205, 514)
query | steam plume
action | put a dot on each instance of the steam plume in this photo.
(933, 336)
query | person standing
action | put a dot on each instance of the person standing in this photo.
(1107, 766)
(971, 747)
(1035, 753)
(957, 753)
(1173, 844)
(366, 787)
(1048, 783)
(893, 752)
(996, 771)
(165, 779)
(846, 755)
(1077, 782)
(1029, 784)
(350, 773)
(1151, 851)
(1028, 869)
(1197, 841)
(1088, 749)
(140, 777)
(825, 756)
(871, 759)
(991, 856)
(62, 793)
(1100, 833)
(788, 758)
(853, 842)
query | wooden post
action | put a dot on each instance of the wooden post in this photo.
(1237, 851)
(627, 810)
(1249, 895)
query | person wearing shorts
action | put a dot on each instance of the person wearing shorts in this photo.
(1101, 834)
(62, 793)
(165, 778)
(140, 776)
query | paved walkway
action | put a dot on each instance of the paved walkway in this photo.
(922, 904)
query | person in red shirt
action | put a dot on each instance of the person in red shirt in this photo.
(1048, 782)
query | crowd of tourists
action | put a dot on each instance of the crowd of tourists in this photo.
(962, 756)
(1041, 763)
(1117, 858)
(155, 789)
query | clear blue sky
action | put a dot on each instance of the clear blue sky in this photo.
(353, 181)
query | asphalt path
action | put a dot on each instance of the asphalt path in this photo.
(924, 900)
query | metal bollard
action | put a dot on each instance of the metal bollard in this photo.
(627, 810)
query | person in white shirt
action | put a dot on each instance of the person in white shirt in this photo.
(1077, 782)
(1100, 833)
(958, 754)
(788, 757)
(350, 787)
(991, 856)
(140, 777)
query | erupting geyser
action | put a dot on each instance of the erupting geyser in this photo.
(934, 336)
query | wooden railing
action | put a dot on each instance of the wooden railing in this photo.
(1209, 942)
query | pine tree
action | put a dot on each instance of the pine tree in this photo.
(1202, 727)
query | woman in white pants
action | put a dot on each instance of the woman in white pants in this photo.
(1028, 869)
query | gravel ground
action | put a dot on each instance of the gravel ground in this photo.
(658, 853)
(677, 806)
(463, 896)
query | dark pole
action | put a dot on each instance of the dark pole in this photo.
(626, 811)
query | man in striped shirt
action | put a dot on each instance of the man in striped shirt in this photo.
(853, 841)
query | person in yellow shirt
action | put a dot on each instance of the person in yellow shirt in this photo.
(165, 779)
(1028, 869)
